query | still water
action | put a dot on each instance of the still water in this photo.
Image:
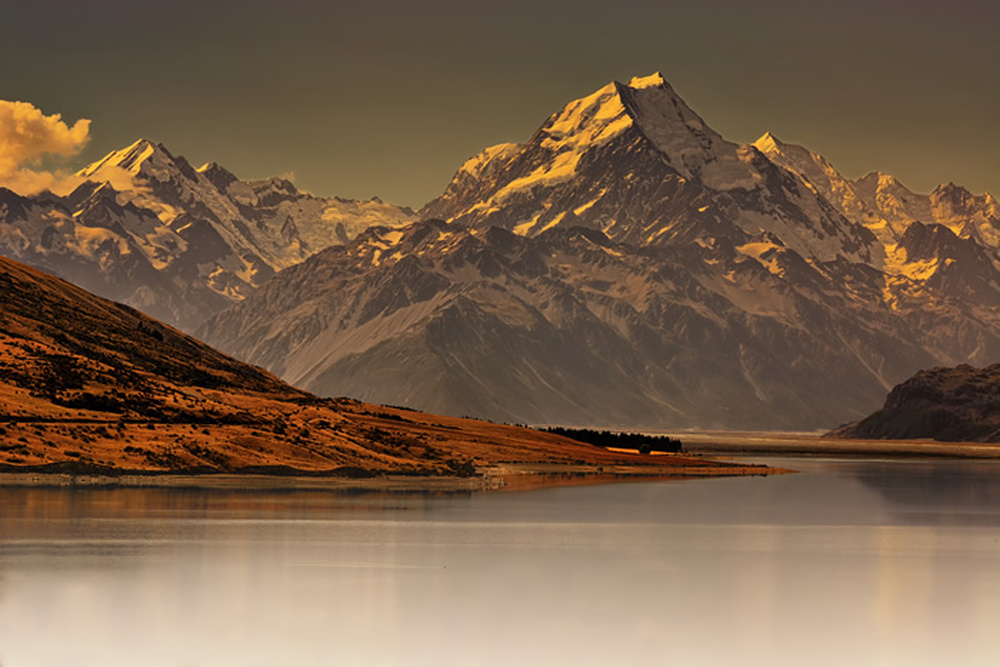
(848, 563)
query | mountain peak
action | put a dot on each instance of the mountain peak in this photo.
(143, 150)
(608, 111)
(879, 180)
(221, 177)
(132, 158)
(684, 139)
(644, 121)
(651, 106)
(796, 157)
(951, 190)
(654, 80)
(768, 144)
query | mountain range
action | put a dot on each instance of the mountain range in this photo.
(145, 228)
(625, 266)
(628, 266)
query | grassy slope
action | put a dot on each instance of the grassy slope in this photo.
(87, 384)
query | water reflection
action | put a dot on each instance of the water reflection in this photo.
(848, 563)
(39, 504)
(942, 492)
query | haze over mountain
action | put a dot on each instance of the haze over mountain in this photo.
(629, 266)
(146, 228)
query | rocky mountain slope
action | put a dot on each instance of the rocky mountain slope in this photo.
(953, 404)
(88, 385)
(571, 327)
(629, 266)
(146, 228)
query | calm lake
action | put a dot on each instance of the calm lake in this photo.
(849, 563)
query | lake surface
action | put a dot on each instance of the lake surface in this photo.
(850, 562)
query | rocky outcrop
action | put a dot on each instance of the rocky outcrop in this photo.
(951, 404)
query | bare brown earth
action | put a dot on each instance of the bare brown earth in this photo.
(94, 392)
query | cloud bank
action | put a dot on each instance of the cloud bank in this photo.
(29, 138)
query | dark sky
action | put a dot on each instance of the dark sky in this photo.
(388, 98)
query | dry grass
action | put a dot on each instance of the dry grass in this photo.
(88, 386)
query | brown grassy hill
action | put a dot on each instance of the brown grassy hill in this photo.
(950, 404)
(87, 385)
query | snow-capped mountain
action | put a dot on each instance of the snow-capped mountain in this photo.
(886, 206)
(635, 162)
(629, 266)
(146, 228)
(947, 241)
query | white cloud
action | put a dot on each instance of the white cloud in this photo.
(27, 136)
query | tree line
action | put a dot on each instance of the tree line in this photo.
(638, 441)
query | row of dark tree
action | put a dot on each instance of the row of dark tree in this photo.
(638, 441)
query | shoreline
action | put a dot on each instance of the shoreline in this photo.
(749, 443)
(713, 449)
(505, 477)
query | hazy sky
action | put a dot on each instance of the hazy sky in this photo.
(388, 98)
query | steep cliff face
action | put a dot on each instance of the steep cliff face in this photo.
(954, 404)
